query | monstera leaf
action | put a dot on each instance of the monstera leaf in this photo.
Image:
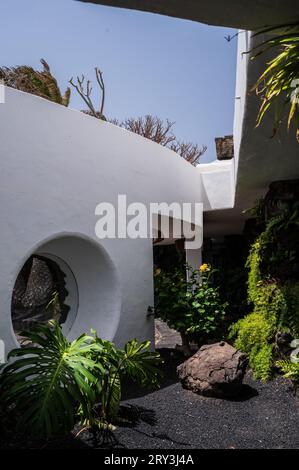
(45, 383)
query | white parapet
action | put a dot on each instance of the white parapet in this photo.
(218, 184)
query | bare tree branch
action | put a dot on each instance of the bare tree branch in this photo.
(99, 76)
(150, 127)
(84, 90)
(155, 129)
(189, 151)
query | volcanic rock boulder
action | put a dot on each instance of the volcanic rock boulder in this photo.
(35, 285)
(216, 370)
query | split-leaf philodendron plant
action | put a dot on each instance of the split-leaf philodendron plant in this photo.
(52, 382)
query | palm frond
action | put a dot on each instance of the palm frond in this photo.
(40, 83)
(276, 84)
(135, 361)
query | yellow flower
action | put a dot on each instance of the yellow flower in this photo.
(157, 272)
(203, 267)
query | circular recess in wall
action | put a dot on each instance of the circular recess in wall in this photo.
(70, 278)
(45, 289)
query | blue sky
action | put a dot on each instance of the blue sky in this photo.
(152, 64)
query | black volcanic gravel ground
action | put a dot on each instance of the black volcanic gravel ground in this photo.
(264, 417)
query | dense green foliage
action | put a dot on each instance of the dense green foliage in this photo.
(255, 334)
(254, 274)
(190, 304)
(290, 368)
(53, 381)
(273, 292)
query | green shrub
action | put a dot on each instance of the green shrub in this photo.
(290, 370)
(270, 301)
(254, 335)
(252, 332)
(191, 304)
(261, 361)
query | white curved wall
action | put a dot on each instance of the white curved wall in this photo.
(57, 165)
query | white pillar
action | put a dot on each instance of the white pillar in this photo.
(194, 258)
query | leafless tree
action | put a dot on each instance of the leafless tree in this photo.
(155, 129)
(189, 151)
(84, 89)
(151, 127)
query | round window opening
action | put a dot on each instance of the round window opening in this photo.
(45, 289)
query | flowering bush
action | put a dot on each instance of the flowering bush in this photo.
(190, 304)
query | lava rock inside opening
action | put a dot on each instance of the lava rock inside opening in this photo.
(39, 295)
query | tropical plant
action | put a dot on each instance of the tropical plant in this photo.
(190, 304)
(135, 362)
(278, 85)
(45, 383)
(52, 381)
(54, 306)
(40, 83)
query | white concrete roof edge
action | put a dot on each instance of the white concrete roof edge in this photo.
(166, 156)
(243, 14)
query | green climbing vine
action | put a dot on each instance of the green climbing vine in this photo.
(253, 264)
(273, 293)
(255, 334)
